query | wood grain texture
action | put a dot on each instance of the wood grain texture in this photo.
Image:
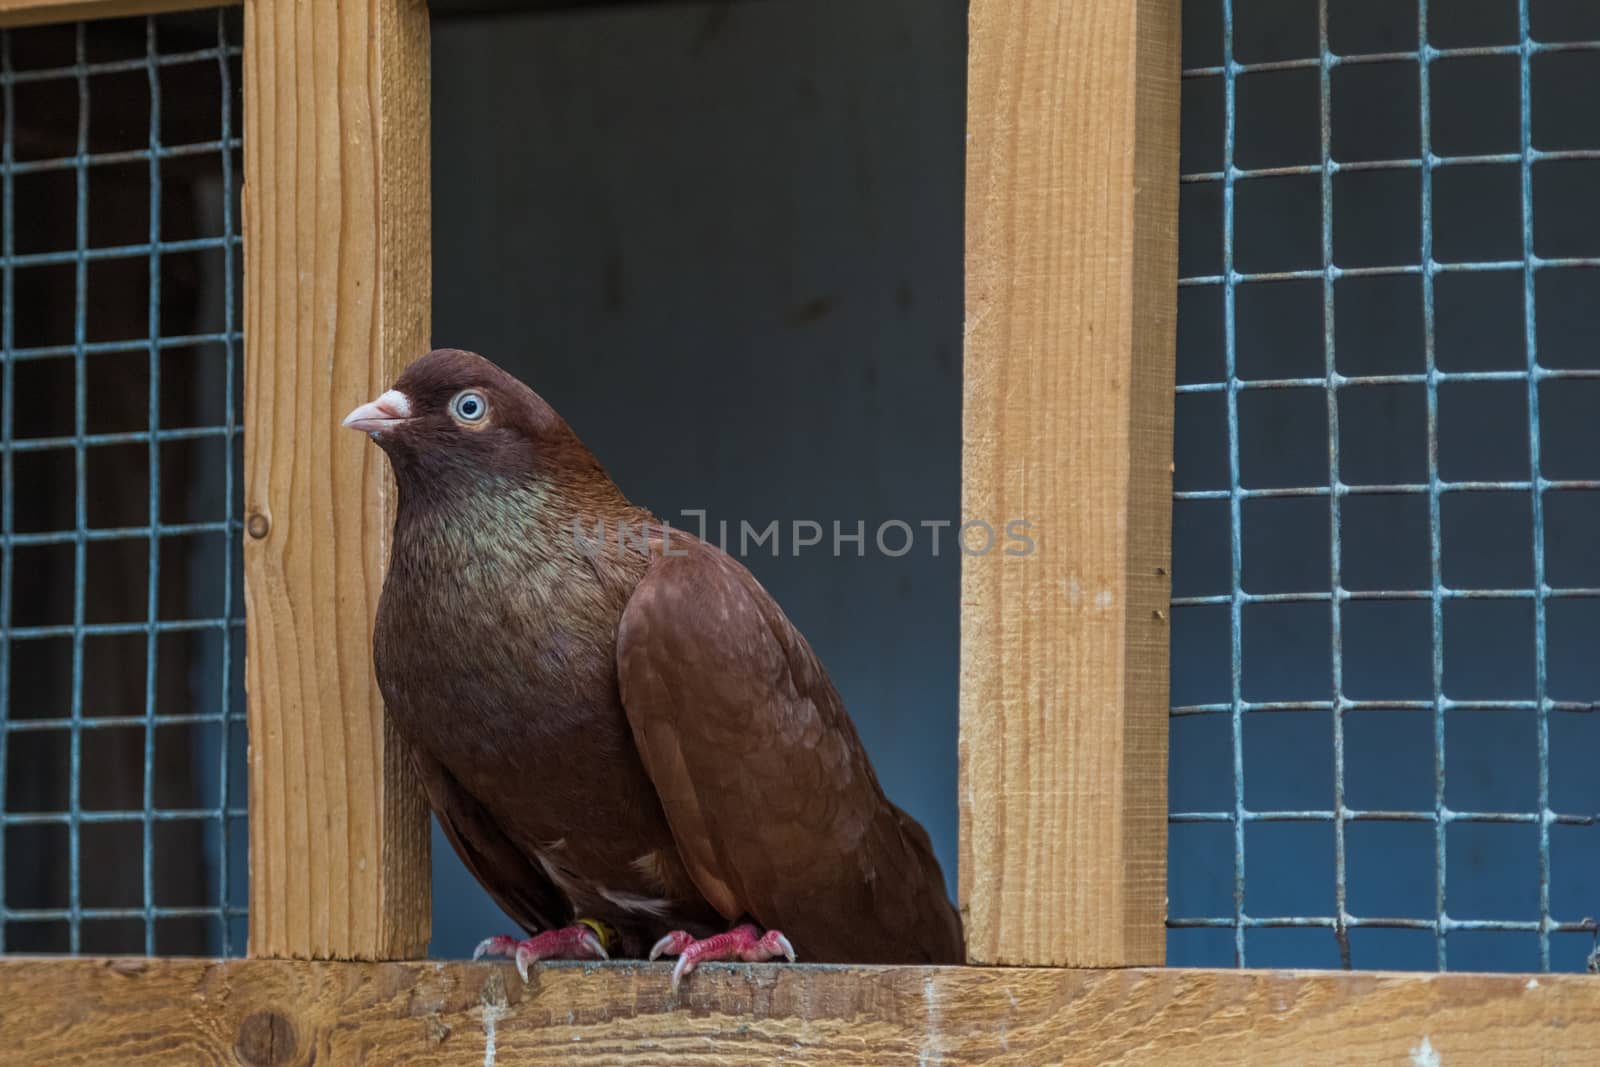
(337, 286)
(37, 12)
(1071, 289)
(256, 1012)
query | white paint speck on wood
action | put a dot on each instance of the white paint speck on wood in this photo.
(1423, 1055)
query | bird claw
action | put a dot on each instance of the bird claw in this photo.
(782, 943)
(575, 942)
(525, 956)
(740, 943)
(673, 944)
(498, 945)
(684, 965)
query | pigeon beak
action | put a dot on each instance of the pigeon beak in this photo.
(388, 411)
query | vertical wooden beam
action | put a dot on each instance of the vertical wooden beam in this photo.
(337, 288)
(1072, 182)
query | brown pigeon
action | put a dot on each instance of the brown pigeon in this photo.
(626, 740)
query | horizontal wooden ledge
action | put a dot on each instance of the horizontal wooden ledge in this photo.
(282, 1012)
(34, 12)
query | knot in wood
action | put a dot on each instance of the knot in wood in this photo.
(266, 1039)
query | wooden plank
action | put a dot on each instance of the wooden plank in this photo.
(467, 8)
(337, 287)
(1071, 238)
(36, 12)
(159, 1011)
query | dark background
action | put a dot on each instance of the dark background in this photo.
(724, 240)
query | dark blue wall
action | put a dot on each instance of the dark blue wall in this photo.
(725, 242)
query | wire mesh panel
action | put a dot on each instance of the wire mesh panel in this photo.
(1385, 579)
(121, 612)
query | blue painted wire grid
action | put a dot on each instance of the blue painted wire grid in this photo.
(1338, 813)
(223, 841)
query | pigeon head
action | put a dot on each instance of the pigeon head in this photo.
(453, 417)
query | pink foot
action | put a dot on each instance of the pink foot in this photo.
(740, 943)
(575, 942)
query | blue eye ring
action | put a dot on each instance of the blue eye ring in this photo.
(469, 405)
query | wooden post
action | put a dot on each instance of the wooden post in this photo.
(1072, 189)
(337, 286)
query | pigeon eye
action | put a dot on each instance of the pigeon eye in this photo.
(469, 406)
